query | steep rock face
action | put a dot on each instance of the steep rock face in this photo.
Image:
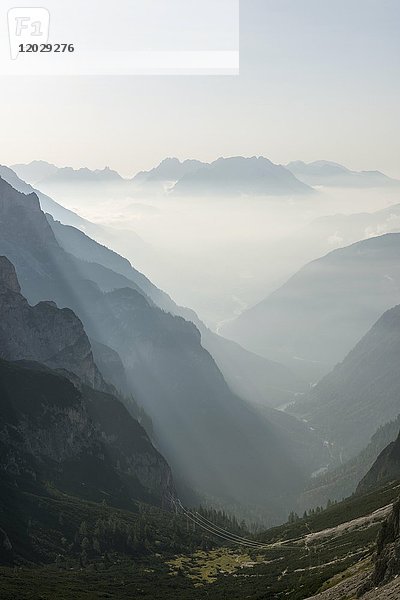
(128, 444)
(82, 441)
(47, 420)
(110, 365)
(387, 558)
(42, 416)
(43, 332)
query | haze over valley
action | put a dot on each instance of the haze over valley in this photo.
(218, 254)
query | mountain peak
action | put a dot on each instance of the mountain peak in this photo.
(239, 175)
(170, 160)
(169, 169)
(8, 276)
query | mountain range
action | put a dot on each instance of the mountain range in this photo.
(239, 176)
(230, 176)
(225, 176)
(38, 172)
(169, 170)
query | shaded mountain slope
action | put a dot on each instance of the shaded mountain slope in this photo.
(76, 242)
(251, 377)
(83, 442)
(386, 468)
(213, 439)
(118, 238)
(362, 392)
(52, 420)
(49, 205)
(321, 312)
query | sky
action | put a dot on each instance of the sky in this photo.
(319, 79)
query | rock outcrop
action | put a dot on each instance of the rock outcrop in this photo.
(386, 468)
(43, 333)
(387, 557)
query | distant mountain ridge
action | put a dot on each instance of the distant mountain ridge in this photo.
(240, 176)
(268, 178)
(169, 170)
(38, 172)
(225, 176)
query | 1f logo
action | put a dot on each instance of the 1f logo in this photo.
(27, 25)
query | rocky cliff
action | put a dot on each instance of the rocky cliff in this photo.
(387, 557)
(59, 422)
(385, 468)
(82, 442)
(43, 333)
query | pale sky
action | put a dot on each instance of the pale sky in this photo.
(320, 79)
